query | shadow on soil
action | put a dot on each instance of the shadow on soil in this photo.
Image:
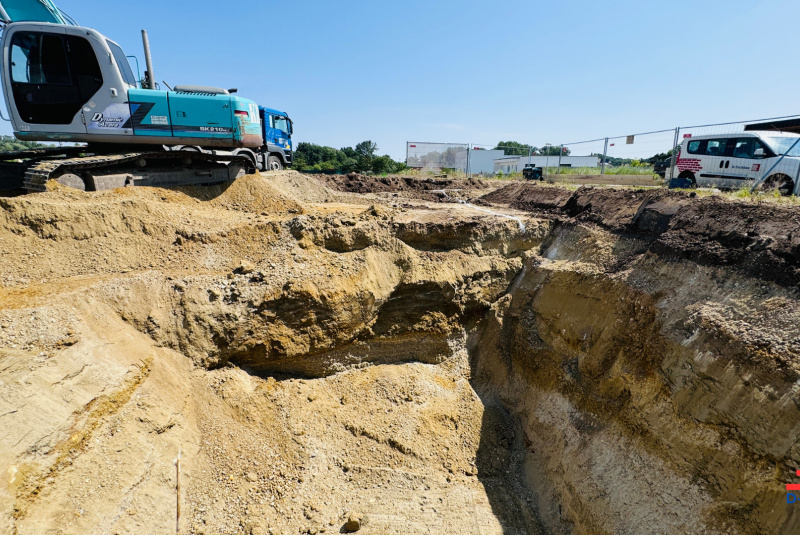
(6, 193)
(501, 470)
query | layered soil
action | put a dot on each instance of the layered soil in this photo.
(431, 189)
(315, 349)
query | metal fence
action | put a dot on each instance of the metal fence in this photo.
(437, 156)
(642, 153)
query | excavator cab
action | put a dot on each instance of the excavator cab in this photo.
(57, 77)
(52, 76)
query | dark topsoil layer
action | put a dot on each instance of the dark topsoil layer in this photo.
(429, 189)
(762, 239)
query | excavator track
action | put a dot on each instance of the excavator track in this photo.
(37, 176)
(94, 172)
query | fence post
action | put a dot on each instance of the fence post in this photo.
(547, 161)
(560, 152)
(674, 156)
(466, 171)
(603, 163)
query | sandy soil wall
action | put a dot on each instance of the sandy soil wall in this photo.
(622, 362)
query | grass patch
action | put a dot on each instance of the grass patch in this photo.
(621, 170)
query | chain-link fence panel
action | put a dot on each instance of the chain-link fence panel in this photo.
(755, 153)
(437, 156)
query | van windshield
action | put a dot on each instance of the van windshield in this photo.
(781, 144)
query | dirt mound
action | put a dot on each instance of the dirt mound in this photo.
(762, 239)
(529, 198)
(423, 188)
(308, 188)
(253, 193)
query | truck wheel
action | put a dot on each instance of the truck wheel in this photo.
(274, 163)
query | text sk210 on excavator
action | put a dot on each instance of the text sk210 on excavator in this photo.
(65, 83)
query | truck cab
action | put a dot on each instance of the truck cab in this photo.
(276, 153)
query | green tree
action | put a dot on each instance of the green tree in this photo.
(367, 148)
(553, 150)
(514, 148)
(12, 144)
(364, 164)
(383, 164)
(349, 165)
(660, 157)
(299, 161)
(317, 158)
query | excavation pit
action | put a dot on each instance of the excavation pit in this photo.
(314, 348)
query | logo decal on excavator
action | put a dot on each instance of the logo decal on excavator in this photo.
(114, 116)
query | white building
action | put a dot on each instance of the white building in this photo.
(515, 164)
(482, 161)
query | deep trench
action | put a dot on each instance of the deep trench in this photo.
(612, 402)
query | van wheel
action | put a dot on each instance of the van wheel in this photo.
(685, 180)
(780, 183)
(274, 163)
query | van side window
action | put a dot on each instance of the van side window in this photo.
(744, 147)
(716, 147)
(696, 147)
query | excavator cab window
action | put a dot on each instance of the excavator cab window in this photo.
(52, 76)
(122, 61)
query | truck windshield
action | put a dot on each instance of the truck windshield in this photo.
(281, 123)
(781, 144)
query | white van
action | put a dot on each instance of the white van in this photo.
(734, 161)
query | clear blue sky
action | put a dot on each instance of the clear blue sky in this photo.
(470, 71)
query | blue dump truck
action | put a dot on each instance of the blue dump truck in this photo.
(276, 152)
(66, 83)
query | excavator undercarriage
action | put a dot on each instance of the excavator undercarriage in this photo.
(100, 168)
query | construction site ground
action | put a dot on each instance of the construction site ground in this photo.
(397, 355)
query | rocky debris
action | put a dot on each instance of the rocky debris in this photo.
(245, 268)
(353, 523)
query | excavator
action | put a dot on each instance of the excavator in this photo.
(74, 89)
